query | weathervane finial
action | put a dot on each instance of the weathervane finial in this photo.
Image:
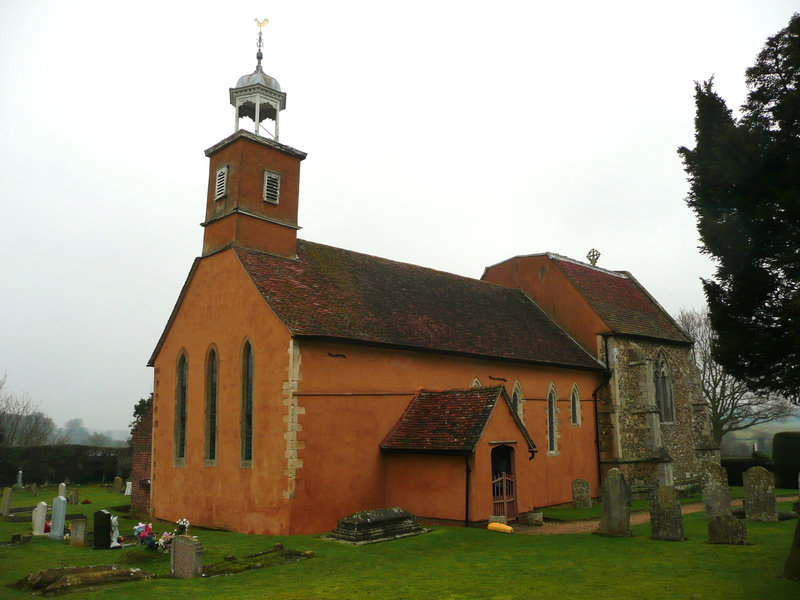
(260, 43)
(593, 256)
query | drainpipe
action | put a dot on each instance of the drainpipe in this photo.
(466, 491)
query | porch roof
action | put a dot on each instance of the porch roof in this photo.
(448, 421)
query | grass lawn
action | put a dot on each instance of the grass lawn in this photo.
(449, 563)
(569, 513)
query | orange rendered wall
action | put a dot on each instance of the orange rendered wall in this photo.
(248, 232)
(543, 281)
(346, 414)
(223, 495)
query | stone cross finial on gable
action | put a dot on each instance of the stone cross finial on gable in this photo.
(593, 255)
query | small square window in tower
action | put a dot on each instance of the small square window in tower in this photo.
(272, 186)
(221, 184)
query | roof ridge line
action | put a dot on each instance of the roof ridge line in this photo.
(620, 274)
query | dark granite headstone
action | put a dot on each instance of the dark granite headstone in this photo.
(102, 530)
(727, 529)
(666, 519)
(377, 526)
(615, 494)
(791, 570)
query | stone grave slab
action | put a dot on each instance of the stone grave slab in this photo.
(128, 488)
(186, 557)
(73, 496)
(581, 494)
(759, 495)
(39, 518)
(5, 507)
(58, 518)
(666, 519)
(119, 485)
(34, 490)
(62, 489)
(716, 494)
(80, 532)
(377, 525)
(727, 529)
(615, 494)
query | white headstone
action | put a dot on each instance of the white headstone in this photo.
(19, 479)
(62, 489)
(128, 488)
(38, 518)
(59, 516)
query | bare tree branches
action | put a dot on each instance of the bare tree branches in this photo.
(21, 421)
(731, 404)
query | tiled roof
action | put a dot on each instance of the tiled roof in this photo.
(448, 421)
(620, 301)
(335, 293)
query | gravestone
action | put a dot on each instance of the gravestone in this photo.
(376, 526)
(615, 494)
(759, 495)
(727, 529)
(5, 507)
(119, 485)
(666, 519)
(128, 488)
(34, 490)
(39, 518)
(102, 530)
(791, 569)
(58, 518)
(19, 485)
(62, 489)
(79, 534)
(186, 557)
(581, 494)
(716, 494)
(73, 496)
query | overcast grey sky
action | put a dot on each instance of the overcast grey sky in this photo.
(446, 134)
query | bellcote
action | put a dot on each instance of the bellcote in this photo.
(253, 181)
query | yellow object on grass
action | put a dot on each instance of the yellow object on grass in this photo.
(499, 527)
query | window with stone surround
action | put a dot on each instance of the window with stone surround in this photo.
(181, 373)
(247, 405)
(662, 373)
(575, 405)
(552, 421)
(211, 407)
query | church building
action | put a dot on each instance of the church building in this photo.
(296, 383)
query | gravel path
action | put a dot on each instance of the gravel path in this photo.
(637, 518)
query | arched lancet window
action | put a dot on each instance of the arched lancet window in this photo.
(211, 406)
(663, 381)
(517, 399)
(247, 403)
(180, 408)
(575, 405)
(552, 420)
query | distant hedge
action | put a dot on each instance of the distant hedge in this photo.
(54, 464)
(786, 455)
(736, 466)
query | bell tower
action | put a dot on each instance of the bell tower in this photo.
(253, 180)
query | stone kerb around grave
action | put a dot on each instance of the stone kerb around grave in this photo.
(760, 503)
(716, 493)
(615, 494)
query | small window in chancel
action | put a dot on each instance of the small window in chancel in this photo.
(575, 406)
